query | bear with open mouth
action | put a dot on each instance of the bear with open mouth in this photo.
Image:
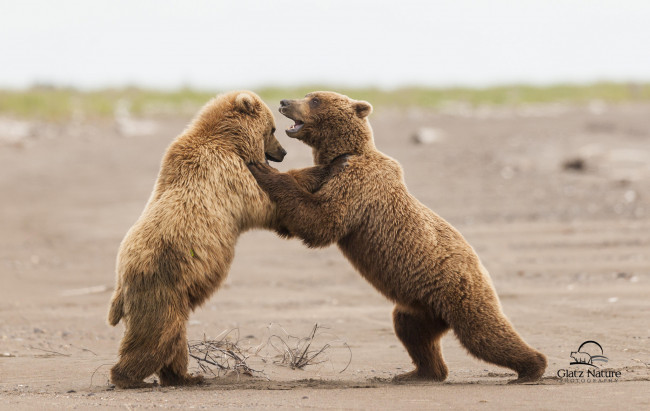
(406, 251)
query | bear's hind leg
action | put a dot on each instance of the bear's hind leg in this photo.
(150, 342)
(133, 367)
(487, 334)
(420, 333)
(140, 356)
(175, 371)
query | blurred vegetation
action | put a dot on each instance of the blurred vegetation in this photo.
(57, 104)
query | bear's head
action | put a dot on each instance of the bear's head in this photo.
(247, 121)
(331, 123)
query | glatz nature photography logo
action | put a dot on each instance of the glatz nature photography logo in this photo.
(590, 354)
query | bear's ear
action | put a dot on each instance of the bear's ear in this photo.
(245, 103)
(362, 108)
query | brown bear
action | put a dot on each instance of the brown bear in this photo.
(180, 249)
(406, 251)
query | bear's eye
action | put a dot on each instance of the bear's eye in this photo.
(314, 102)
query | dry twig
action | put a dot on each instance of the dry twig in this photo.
(50, 353)
(223, 354)
(297, 353)
(93, 375)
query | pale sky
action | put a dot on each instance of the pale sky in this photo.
(248, 43)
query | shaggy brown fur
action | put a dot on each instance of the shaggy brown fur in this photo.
(410, 254)
(180, 249)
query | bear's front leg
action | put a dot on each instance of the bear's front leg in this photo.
(311, 179)
(277, 185)
(319, 219)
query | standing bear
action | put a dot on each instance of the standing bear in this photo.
(180, 249)
(406, 251)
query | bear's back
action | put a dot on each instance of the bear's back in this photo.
(394, 232)
(203, 199)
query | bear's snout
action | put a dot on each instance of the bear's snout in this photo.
(276, 155)
(285, 103)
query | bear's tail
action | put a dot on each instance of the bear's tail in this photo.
(116, 311)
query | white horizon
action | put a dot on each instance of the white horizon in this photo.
(255, 44)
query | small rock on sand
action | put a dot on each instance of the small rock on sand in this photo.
(428, 135)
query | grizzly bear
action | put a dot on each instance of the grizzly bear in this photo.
(406, 251)
(180, 249)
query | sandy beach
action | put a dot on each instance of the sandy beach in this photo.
(555, 199)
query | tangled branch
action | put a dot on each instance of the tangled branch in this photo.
(226, 353)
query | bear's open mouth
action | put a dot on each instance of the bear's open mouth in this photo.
(296, 126)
